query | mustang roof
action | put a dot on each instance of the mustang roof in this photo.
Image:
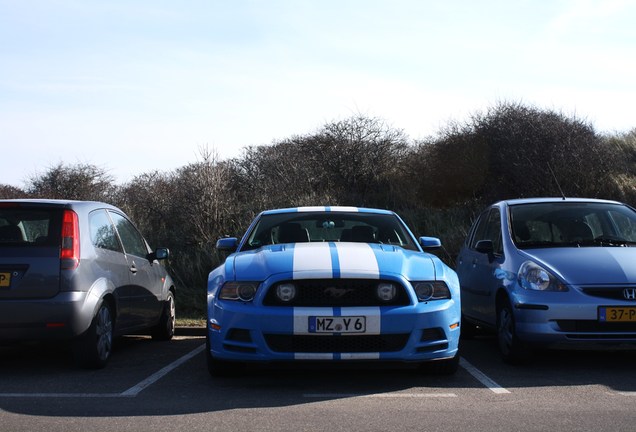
(327, 209)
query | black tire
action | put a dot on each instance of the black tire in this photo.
(468, 329)
(220, 368)
(441, 367)
(164, 330)
(94, 348)
(512, 349)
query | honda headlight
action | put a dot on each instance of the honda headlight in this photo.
(433, 290)
(244, 291)
(534, 277)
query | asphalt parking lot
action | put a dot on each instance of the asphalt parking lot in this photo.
(138, 363)
(150, 385)
(47, 370)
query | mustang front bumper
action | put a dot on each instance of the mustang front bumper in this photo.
(414, 333)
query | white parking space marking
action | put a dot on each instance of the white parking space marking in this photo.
(60, 395)
(135, 390)
(131, 392)
(627, 393)
(378, 395)
(482, 378)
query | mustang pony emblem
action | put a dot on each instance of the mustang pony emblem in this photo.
(337, 292)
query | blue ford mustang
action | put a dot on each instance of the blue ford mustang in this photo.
(331, 284)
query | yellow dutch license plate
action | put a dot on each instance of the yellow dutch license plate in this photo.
(5, 279)
(617, 314)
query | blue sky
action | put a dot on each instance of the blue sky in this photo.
(135, 86)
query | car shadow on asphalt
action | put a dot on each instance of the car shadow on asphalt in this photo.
(611, 366)
(40, 382)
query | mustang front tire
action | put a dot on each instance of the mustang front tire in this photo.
(220, 368)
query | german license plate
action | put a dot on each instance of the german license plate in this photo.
(341, 324)
(5, 280)
(617, 314)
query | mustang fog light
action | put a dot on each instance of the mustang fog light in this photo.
(286, 292)
(386, 291)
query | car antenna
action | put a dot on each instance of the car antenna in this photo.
(556, 181)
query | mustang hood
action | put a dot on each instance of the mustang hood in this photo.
(333, 260)
(590, 265)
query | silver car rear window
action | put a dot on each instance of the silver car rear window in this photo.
(29, 227)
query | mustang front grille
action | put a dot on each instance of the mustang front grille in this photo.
(336, 343)
(337, 292)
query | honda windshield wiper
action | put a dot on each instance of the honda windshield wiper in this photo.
(537, 244)
(613, 241)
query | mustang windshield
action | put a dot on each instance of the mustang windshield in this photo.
(567, 224)
(329, 227)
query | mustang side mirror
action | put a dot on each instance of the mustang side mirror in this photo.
(227, 244)
(430, 243)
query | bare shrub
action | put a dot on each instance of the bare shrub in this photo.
(10, 192)
(74, 182)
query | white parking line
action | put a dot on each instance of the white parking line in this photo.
(482, 378)
(135, 390)
(379, 395)
(625, 393)
(131, 392)
(60, 395)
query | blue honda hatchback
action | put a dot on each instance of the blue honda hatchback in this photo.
(332, 284)
(551, 272)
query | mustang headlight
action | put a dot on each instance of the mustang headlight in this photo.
(244, 291)
(386, 291)
(534, 277)
(431, 290)
(286, 292)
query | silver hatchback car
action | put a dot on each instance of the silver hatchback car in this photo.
(80, 271)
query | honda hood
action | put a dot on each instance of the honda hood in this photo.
(589, 265)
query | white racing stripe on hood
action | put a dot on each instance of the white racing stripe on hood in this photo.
(312, 261)
(357, 260)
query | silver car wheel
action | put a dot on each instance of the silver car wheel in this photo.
(172, 313)
(104, 333)
(164, 330)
